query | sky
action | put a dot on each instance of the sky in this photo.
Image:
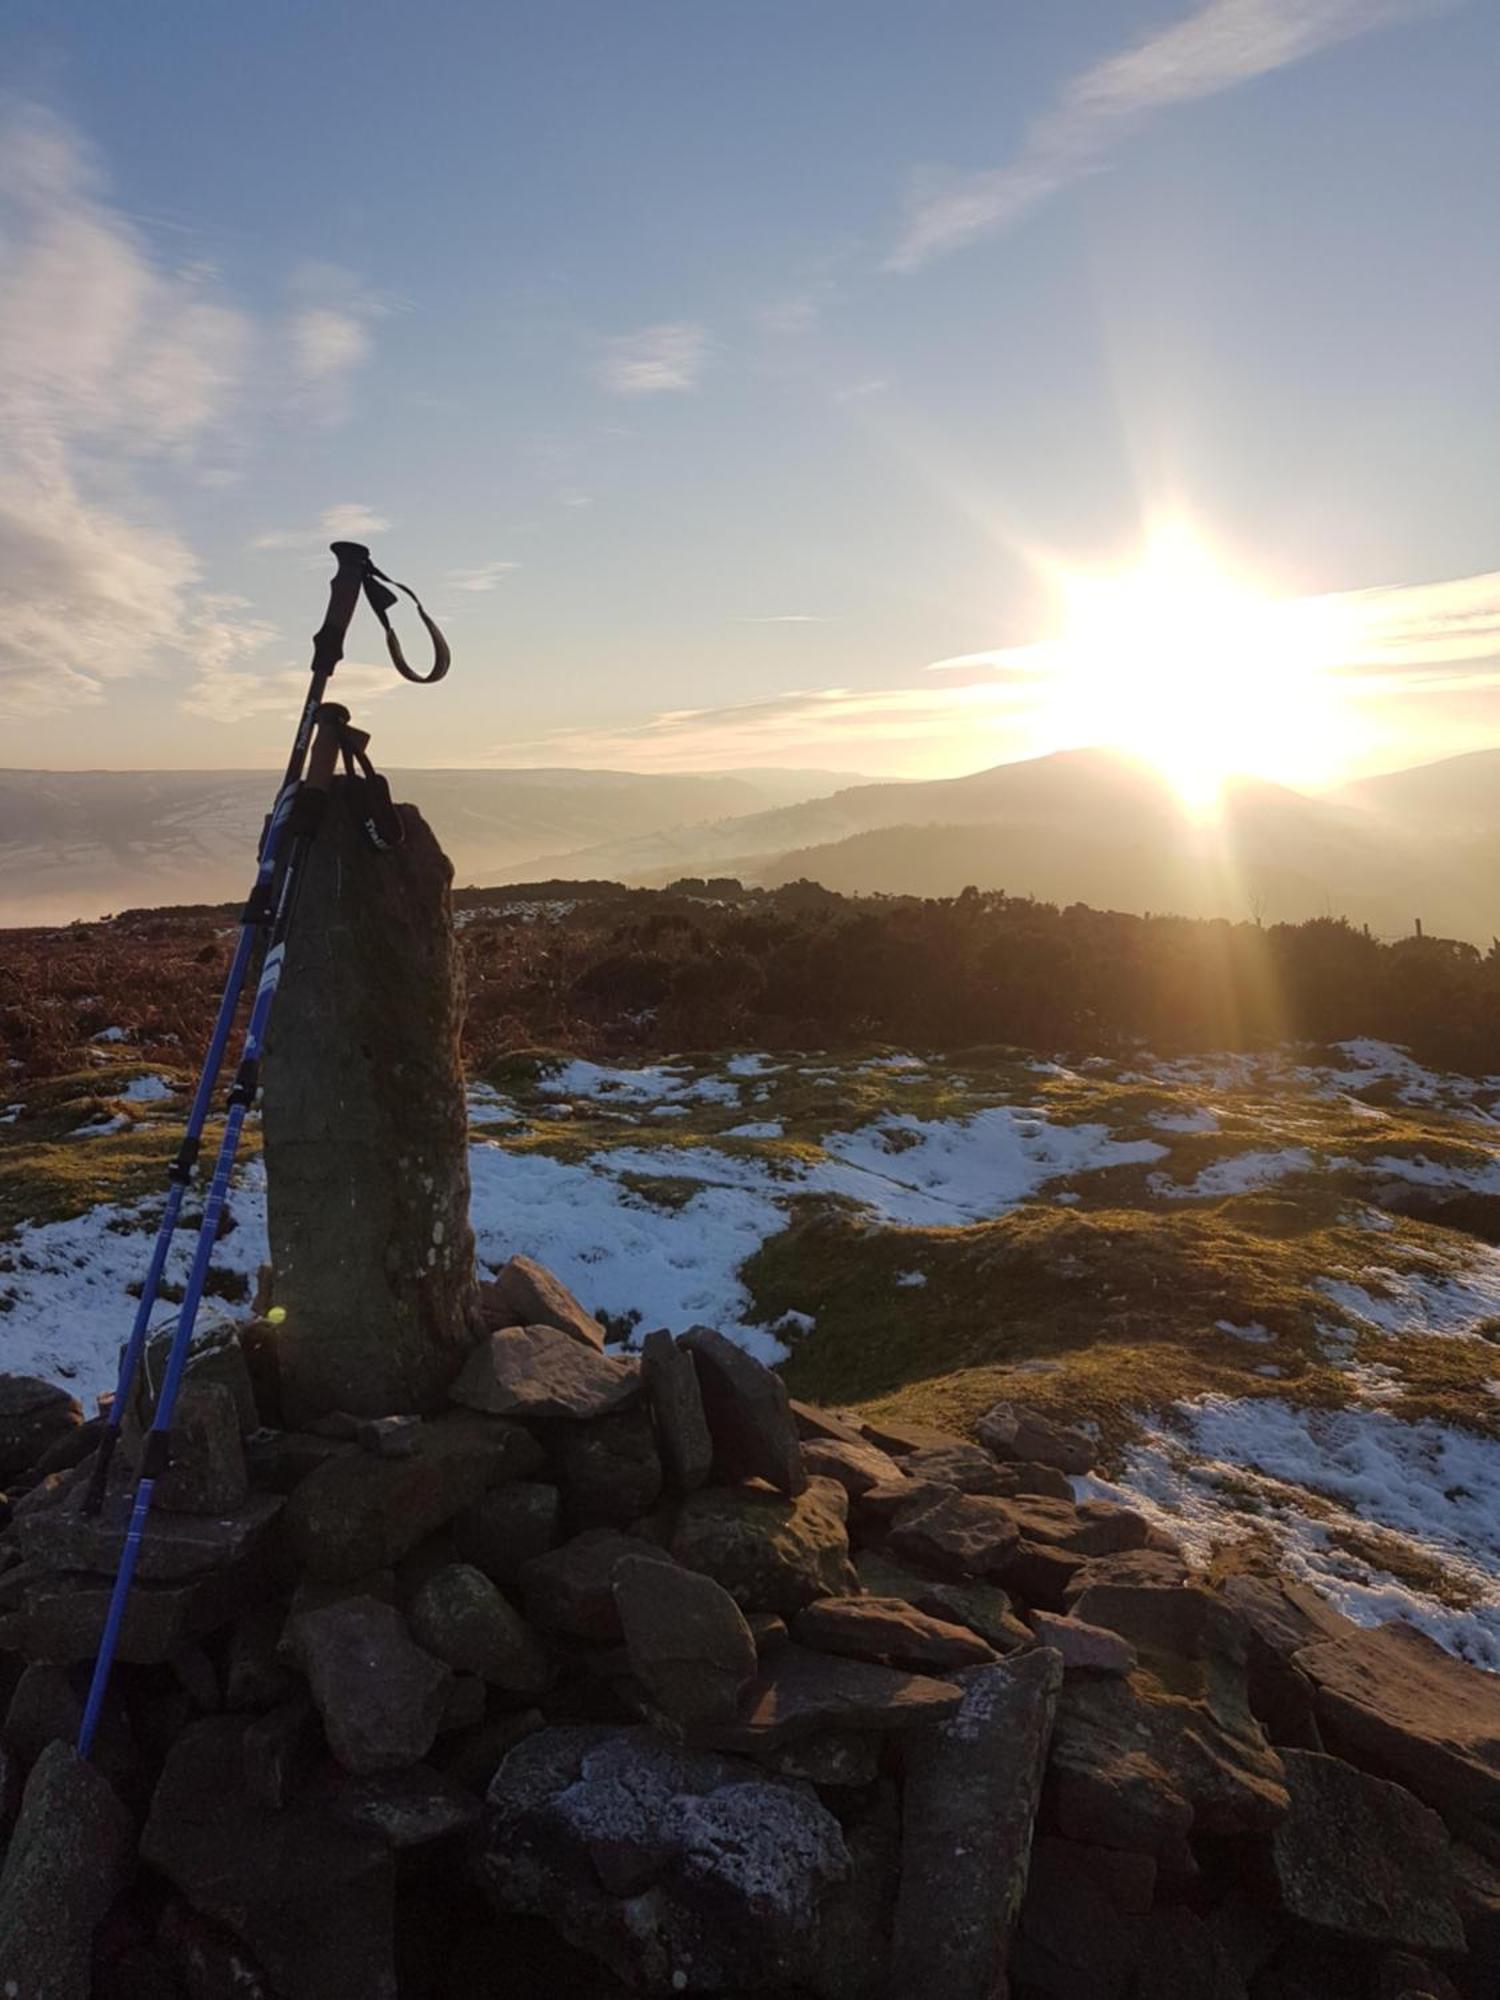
(749, 385)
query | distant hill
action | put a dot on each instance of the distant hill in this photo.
(78, 843)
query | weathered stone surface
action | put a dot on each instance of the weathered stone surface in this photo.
(388, 1437)
(1084, 1648)
(254, 1677)
(798, 1692)
(1280, 1618)
(968, 1804)
(1395, 1699)
(890, 1630)
(769, 1553)
(535, 1371)
(958, 1534)
(1013, 1434)
(983, 1607)
(856, 1467)
(282, 1749)
(1025, 1477)
(678, 1872)
(380, 1697)
(969, 1467)
(571, 1590)
(899, 1438)
(1363, 1859)
(505, 1528)
(279, 1461)
(1090, 1528)
(461, 1618)
(358, 1513)
(311, 1898)
(1168, 1623)
(676, 1403)
(530, 1293)
(406, 1808)
(1137, 1765)
(841, 1758)
(1182, 1959)
(64, 1617)
(68, 1859)
(33, 1415)
(610, 1468)
(46, 1706)
(59, 1536)
(688, 1641)
(814, 1421)
(748, 1411)
(207, 1473)
(1080, 1928)
(1134, 1566)
(366, 1131)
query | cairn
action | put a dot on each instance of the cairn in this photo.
(626, 1674)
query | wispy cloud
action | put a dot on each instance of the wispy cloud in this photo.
(789, 618)
(349, 521)
(485, 577)
(656, 361)
(1215, 48)
(328, 339)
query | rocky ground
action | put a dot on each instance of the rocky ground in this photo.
(1267, 1286)
(628, 1673)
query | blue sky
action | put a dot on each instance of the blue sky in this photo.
(730, 363)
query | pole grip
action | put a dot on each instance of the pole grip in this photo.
(353, 560)
(332, 721)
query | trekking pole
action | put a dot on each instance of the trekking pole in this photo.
(355, 572)
(306, 813)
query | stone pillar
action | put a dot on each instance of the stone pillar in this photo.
(366, 1132)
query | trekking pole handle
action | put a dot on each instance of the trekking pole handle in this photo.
(332, 721)
(343, 595)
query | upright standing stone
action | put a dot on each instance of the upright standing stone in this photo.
(68, 1859)
(366, 1132)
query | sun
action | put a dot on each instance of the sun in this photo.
(1181, 662)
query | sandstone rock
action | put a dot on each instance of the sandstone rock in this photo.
(207, 1472)
(798, 1693)
(380, 1697)
(1182, 1959)
(959, 1534)
(64, 1616)
(1396, 1699)
(46, 1706)
(1280, 1618)
(843, 1759)
(968, 1803)
(1363, 1859)
(407, 1808)
(679, 1872)
(69, 1857)
(1134, 1566)
(1080, 1925)
(535, 1297)
(967, 1466)
(1084, 1648)
(769, 1553)
(255, 1678)
(310, 1898)
(899, 1438)
(175, 1548)
(33, 1415)
(1014, 1434)
(357, 1513)
(890, 1630)
(505, 1528)
(1089, 1528)
(609, 1469)
(983, 1607)
(461, 1618)
(1168, 1623)
(688, 1641)
(1026, 1477)
(1041, 1574)
(815, 1422)
(676, 1403)
(535, 1371)
(279, 1461)
(856, 1467)
(282, 1749)
(748, 1412)
(388, 1437)
(571, 1590)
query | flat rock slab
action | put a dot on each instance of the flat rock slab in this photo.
(969, 1467)
(33, 1415)
(958, 1534)
(1090, 1528)
(531, 1296)
(71, 1853)
(358, 1513)
(380, 1696)
(537, 1371)
(311, 1897)
(1363, 1859)
(571, 1590)
(749, 1414)
(175, 1547)
(890, 1631)
(857, 1467)
(671, 1384)
(1084, 1648)
(969, 1801)
(813, 1420)
(465, 1621)
(680, 1872)
(769, 1553)
(689, 1644)
(1015, 1434)
(799, 1692)
(1394, 1697)
(610, 1468)
(64, 1616)
(983, 1607)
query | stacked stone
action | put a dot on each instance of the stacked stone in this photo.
(628, 1674)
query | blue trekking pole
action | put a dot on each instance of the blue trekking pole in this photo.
(355, 572)
(301, 815)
